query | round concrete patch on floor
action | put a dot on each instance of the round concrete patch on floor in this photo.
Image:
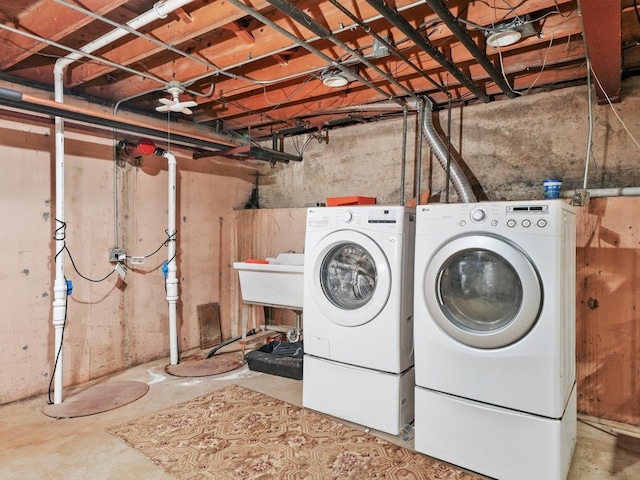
(97, 399)
(200, 366)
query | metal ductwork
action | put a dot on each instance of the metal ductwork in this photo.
(445, 156)
(449, 164)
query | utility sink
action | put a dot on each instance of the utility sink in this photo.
(278, 283)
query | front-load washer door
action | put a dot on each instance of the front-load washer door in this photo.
(483, 291)
(351, 279)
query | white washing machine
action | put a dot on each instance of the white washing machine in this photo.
(358, 322)
(494, 334)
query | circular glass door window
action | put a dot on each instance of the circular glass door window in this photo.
(479, 291)
(483, 291)
(348, 276)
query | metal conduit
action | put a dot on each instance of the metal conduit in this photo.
(447, 17)
(400, 22)
(306, 21)
(403, 167)
(418, 183)
(139, 34)
(388, 45)
(80, 54)
(315, 51)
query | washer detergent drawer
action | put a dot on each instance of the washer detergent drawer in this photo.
(371, 398)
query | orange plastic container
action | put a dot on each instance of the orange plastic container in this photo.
(337, 201)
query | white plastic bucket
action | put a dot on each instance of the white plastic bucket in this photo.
(552, 187)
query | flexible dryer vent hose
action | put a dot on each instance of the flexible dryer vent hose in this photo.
(458, 178)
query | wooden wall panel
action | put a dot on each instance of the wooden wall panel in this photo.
(608, 321)
(262, 233)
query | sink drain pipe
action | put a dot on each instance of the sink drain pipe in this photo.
(171, 279)
(59, 305)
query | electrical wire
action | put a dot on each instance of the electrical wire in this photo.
(290, 96)
(544, 64)
(596, 427)
(517, 19)
(57, 360)
(165, 243)
(83, 276)
(614, 110)
(63, 229)
(589, 119)
(81, 53)
(310, 136)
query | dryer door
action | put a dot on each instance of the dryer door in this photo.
(483, 291)
(351, 278)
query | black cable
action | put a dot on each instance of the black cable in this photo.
(63, 228)
(635, 7)
(253, 331)
(55, 364)
(597, 428)
(170, 238)
(81, 275)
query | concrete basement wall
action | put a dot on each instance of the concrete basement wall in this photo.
(112, 324)
(510, 146)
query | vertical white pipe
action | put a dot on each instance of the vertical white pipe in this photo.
(59, 284)
(171, 281)
(160, 10)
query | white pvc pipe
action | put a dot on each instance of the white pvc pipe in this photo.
(171, 280)
(160, 10)
(606, 192)
(59, 284)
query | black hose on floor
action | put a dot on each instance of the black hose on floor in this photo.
(213, 351)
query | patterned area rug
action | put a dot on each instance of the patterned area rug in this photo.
(237, 433)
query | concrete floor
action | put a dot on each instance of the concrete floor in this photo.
(33, 445)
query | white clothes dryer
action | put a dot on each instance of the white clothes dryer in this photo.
(494, 334)
(358, 322)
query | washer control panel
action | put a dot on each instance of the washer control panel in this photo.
(373, 218)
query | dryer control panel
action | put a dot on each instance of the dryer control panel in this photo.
(532, 217)
(512, 216)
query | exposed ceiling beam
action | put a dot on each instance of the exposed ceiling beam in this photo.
(17, 47)
(447, 17)
(602, 21)
(409, 30)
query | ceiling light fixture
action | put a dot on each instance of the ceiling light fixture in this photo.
(503, 38)
(508, 33)
(334, 78)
